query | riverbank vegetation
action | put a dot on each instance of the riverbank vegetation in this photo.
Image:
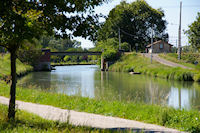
(5, 66)
(161, 115)
(139, 63)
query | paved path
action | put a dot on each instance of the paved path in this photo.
(86, 119)
(165, 62)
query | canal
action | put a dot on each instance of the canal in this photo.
(89, 81)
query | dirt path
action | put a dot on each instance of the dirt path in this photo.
(86, 119)
(165, 62)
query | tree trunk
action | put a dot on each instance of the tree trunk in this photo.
(11, 110)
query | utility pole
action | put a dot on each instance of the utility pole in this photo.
(151, 43)
(119, 39)
(179, 34)
(176, 47)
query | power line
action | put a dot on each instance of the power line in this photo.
(185, 6)
(128, 33)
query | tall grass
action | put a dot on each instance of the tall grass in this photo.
(161, 115)
(5, 66)
(141, 64)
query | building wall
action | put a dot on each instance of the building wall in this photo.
(166, 48)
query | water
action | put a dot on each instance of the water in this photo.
(89, 81)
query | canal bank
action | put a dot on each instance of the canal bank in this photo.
(140, 63)
(89, 81)
(22, 69)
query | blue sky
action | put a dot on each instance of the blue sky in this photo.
(171, 10)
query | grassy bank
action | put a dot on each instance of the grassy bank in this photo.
(5, 67)
(169, 117)
(27, 122)
(187, 59)
(141, 64)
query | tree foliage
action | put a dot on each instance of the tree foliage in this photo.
(110, 48)
(135, 21)
(194, 33)
(56, 44)
(23, 20)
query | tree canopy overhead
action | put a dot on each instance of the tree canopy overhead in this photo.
(135, 21)
(194, 33)
(24, 20)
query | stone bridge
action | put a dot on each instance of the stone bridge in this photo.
(45, 59)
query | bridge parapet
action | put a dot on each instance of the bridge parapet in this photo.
(76, 53)
(45, 59)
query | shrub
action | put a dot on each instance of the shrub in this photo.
(197, 77)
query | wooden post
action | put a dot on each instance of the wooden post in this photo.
(107, 65)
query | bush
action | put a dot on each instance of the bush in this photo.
(110, 48)
(30, 57)
(197, 77)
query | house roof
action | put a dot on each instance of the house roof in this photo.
(157, 42)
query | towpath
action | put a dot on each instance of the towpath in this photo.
(165, 62)
(86, 119)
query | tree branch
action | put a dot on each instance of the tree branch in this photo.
(4, 46)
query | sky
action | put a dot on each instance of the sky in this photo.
(171, 8)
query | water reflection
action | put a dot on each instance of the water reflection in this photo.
(88, 81)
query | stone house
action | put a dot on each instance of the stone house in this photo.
(159, 47)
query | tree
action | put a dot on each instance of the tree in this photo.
(194, 33)
(110, 47)
(58, 44)
(22, 21)
(134, 21)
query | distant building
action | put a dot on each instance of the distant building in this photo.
(159, 47)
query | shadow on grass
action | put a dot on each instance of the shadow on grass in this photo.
(16, 125)
(133, 130)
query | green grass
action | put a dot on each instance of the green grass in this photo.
(169, 117)
(187, 59)
(141, 64)
(27, 122)
(5, 66)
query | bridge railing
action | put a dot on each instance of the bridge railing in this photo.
(76, 53)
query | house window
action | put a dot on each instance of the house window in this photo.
(161, 46)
